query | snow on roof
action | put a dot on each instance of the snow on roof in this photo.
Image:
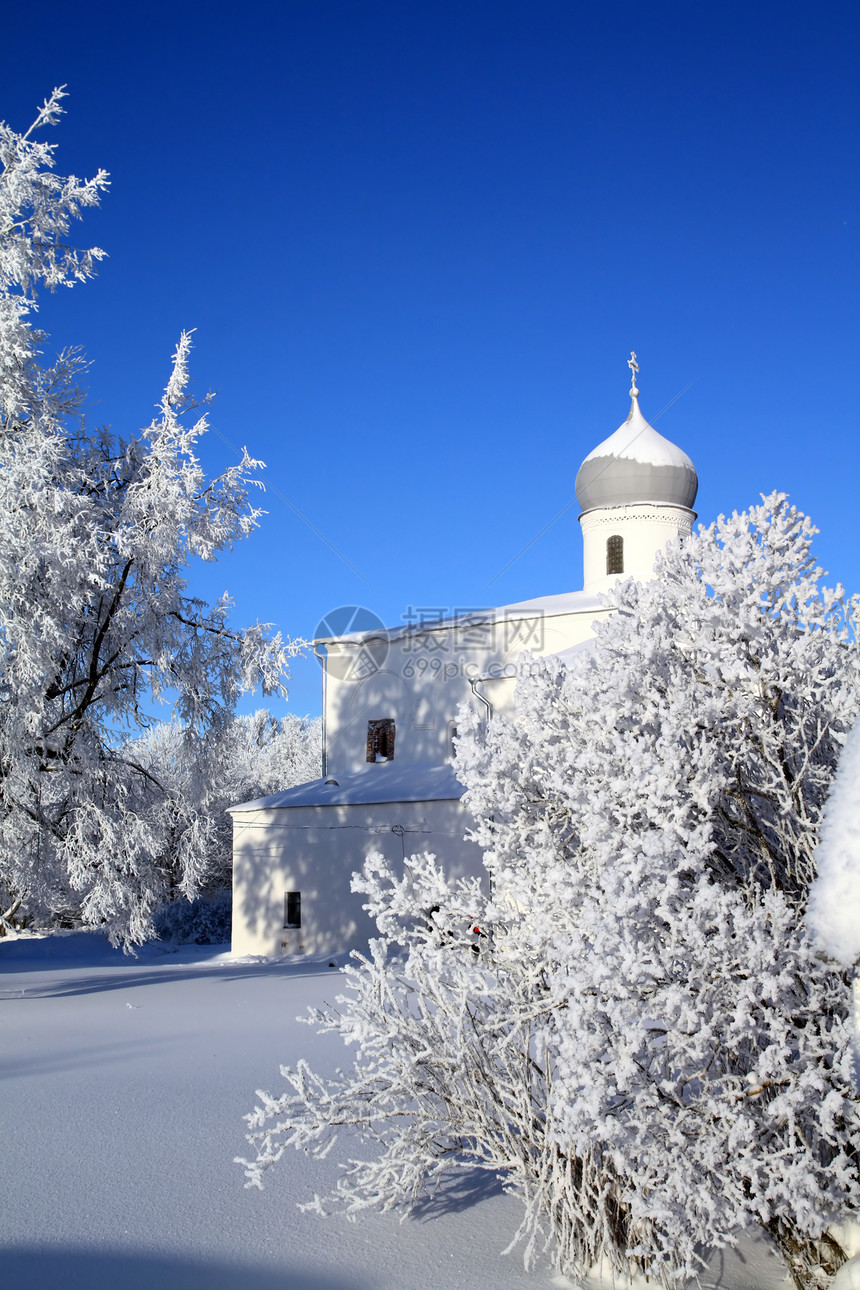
(574, 652)
(379, 782)
(637, 440)
(567, 602)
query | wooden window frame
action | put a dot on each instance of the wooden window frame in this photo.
(380, 739)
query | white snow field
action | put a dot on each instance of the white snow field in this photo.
(124, 1082)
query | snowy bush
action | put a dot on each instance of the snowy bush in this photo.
(200, 921)
(646, 1048)
(96, 624)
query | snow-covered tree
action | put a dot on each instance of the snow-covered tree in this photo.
(198, 779)
(96, 621)
(642, 1041)
(271, 754)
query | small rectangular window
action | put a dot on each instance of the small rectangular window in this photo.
(292, 909)
(380, 740)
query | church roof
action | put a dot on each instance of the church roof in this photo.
(386, 782)
(636, 464)
(566, 602)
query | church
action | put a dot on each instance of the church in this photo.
(390, 702)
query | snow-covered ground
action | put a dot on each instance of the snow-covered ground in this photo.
(124, 1082)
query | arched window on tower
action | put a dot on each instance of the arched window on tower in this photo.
(615, 554)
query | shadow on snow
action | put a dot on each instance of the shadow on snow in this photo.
(82, 954)
(455, 1193)
(42, 1268)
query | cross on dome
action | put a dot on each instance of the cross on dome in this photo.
(634, 368)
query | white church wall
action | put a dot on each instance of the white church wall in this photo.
(315, 850)
(424, 676)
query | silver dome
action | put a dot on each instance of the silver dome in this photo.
(636, 464)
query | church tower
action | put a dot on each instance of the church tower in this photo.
(636, 490)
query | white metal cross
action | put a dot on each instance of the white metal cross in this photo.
(634, 368)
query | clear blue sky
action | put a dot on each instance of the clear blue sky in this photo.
(419, 240)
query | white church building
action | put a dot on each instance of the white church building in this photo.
(390, 701)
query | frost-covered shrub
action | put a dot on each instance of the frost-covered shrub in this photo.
(202, 921)
(647, 1048)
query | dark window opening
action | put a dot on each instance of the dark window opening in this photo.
(615, 554)
(380, 740)
(292, 909)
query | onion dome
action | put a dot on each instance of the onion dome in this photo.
(636, 464)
